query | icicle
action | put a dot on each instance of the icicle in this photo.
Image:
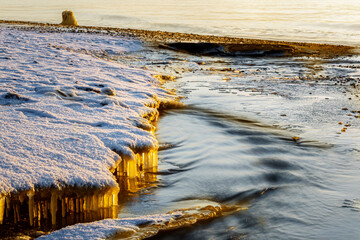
(2, 209)
(149, 160)
(106, 200)
(131, 169)
(73, 205)
(8, 205)
(95, 203)
(131, 173)
(155, 159)
(39, 212)
(63, 208)
(123, 168)
(81, 202)
(152, 159)
(141, 160)
(77, 205)
(31, 194)
(53, 207)
(120, 168)
(16, 212)
(45, 209)
(102, 202)
(101, 205)
(146, 161)
(118, 171)
(110, 196)
(21, 198)
(36, 211)
(67, 204)
(115, 201)
(88, 203)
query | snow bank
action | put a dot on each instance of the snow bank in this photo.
(65, 114)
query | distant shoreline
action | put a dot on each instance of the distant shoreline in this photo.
(194, 43)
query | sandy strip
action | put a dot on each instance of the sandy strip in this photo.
(230, 44)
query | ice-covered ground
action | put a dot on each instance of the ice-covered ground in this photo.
(109, 227)
(65, 113)
(141, 227)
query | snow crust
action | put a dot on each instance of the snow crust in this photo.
(108, 227)
(64, 112)
(144, 226)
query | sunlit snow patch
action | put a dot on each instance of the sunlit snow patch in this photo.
(70, 120)
(140, 227)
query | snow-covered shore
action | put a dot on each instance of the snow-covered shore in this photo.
(122, 228)
(67, 116)
(142, 227)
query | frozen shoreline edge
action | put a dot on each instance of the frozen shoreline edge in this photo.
(142, 157)
(230, 44)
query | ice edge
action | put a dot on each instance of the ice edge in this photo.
(48, 113)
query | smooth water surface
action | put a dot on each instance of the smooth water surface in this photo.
(330, 21)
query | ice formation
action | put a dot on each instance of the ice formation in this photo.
(68, 18)
(109, 227)
(140, 227)
(70, 121)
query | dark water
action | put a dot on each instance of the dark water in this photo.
(278, 136)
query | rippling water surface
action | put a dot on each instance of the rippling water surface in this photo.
(291, 191)
(276, 136)
(334, 21)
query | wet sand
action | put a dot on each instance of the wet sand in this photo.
(207, 44)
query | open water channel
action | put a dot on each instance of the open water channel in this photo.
(278, 137)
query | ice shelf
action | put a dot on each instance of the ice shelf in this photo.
(72, 124)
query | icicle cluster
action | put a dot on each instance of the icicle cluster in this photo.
(75, 204)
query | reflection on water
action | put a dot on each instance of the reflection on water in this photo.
(315, 21)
